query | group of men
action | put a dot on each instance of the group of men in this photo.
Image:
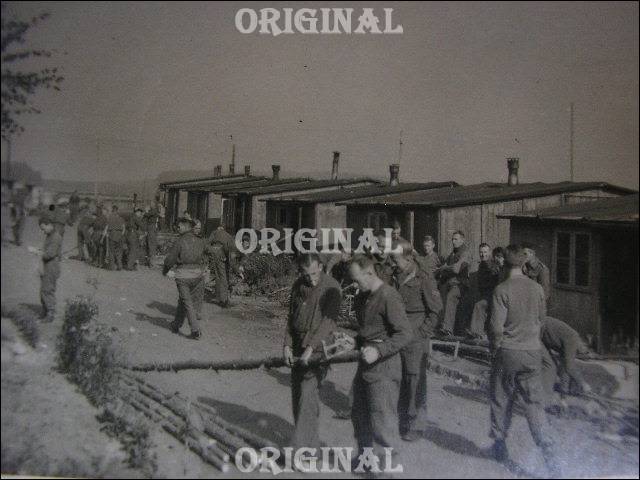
(399, 305)
(110, 239)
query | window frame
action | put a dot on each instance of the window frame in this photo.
(572, 261)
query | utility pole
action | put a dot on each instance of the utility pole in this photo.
(571, 133)
(400, 148)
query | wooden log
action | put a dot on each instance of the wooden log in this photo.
(193, 445)
(231, 430)
(178, 425)
(239, 364)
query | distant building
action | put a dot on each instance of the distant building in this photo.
(591, 249)
(474, 209)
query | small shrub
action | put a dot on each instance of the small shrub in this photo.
(26, 321)
(265, 273)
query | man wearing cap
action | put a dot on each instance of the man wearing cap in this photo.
(135, 229)
(423, 305)
(61, 217)
(51, 253)
(187, 258)
(100, 237)
(224, 248)
(115, 233)
(536, 270)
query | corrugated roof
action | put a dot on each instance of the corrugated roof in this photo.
(352, 192)
(481, 193)
(260, 184)
(307, 185)
(209, 181)
(616, 210)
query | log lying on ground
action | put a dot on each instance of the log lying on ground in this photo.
(233, 436)
(197, 442)
(240, 364)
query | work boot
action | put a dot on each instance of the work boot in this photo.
(412, 436)
(195, 335)
(499, 451)
(174, 328)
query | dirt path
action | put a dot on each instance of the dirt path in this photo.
(139, 305)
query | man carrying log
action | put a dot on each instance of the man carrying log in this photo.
(383, 331)
(313, 312)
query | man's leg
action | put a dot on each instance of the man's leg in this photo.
(452, 301)
(306, 407)
(501, 398)
(360, 413)
(549, 375)
(413, 406)
(383, 401)
(48, 293)
(180, 312)
(186, 289)
(222, 284)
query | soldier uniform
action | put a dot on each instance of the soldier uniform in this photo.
(539, 272)
(423, 305)
(187, 256)
(384, 269)
(51, 253)
(223, 246)
(134, 229)
(488, 278)
(560, 339)
(152, 217)
(100, 239)
(383, 324)
(313, 311)
(115, 232)
(85, 226)
(518, 310)
(429, 263)
(454, 277)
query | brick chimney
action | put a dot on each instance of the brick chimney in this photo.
(217, 172)
(247, 170)
(512, 165)
(394, 174)
(336, 164)
(276, 172)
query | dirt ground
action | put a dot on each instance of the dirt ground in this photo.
(140, 306)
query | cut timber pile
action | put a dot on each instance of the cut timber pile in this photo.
(198, 426)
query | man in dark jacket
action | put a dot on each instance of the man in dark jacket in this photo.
(115, 234)
(224, 249)
(488, 277)
(384, 330)
(313, 312)
(187, 258)
(422, 303)
(51, 253)
(135, 229)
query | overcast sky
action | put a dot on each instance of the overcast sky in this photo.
(162, 86)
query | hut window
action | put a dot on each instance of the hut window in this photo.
(573, 256)
(282, 216)
(376, 220)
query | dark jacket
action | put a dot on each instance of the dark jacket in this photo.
(420, 295)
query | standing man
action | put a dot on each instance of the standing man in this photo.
(51, 253)
(100, 237)
(313, 312)
(152, 216)
(431, 260)
(518, 312)
(536, 270)
(422, 303)
(61, 217)
(74, 206)
(135, 228)
(85, 230)
(488, 278)
(561, 346)
(115, 228)
(187, 257)
(454, 281)
(383, 331)
(224, 248)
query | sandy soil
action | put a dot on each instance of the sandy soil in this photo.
(140, 306)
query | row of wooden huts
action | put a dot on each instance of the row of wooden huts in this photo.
(491, 212)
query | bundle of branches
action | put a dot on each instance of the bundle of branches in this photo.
(86, 352)
(26, 322)
(198, 426)
(266, 274)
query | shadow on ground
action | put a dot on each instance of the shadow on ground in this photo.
(165, 308)
(162, 322)
(269, 426)
(329, 394)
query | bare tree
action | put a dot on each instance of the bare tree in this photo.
(19, 85)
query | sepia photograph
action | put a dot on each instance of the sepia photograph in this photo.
(320, 239)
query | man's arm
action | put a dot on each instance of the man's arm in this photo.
(171, 259)
(498, 319)
(545, 282)
(432, 302)
(400, 328)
